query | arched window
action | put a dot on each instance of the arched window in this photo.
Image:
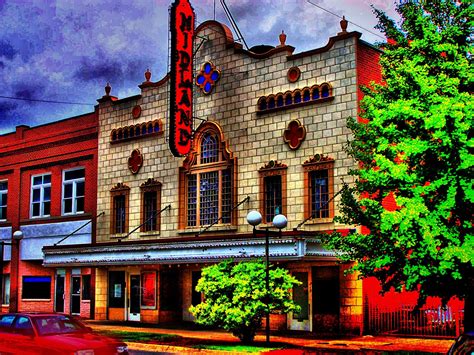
(207, 180)
(209, 149)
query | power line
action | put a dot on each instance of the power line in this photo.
(334, 14)
(47, 101)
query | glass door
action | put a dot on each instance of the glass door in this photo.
(134, 304)
(76, 295)
(59, 294)
(301, 296)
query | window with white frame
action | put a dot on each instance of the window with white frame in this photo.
(73, 191)
(3, 200)
(40, 195)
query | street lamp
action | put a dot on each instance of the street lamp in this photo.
(254, 218)
(17, 236)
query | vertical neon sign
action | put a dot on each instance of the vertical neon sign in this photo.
(181, 77)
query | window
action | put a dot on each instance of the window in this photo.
(86, 287)
(273, 206)
(148, 296)
(6, 289)
(40, 195)
(3, 200)
(116, 289)
(319, 188)
(151, 192)
(206, 181)
(36, 287)
(6, 322)
(119, 220)
(272, 190)
(23, 326)
(73, 191)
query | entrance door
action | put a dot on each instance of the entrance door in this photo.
(76, 295)
(171, 307)
(326, 299)
(301, 320)
(134, 304)
(59, 294)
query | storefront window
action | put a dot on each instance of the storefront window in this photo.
(116, 289)
(86, 287)
(148, 297)
(36, 287)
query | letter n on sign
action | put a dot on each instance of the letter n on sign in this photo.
(181, 77)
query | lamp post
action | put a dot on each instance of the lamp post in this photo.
(254, 218)
(17, 236)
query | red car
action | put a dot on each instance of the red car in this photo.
(51, 333)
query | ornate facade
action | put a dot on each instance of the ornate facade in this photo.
(269, 135)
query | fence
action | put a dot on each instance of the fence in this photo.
(431, 322)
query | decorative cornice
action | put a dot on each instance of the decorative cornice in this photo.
(150, 182)
(120, 187)
(317, 159)
(273, 165)
(327, 47)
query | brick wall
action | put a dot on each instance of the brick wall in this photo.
(368, 67)
(35, 269)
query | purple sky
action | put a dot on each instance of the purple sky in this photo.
(66, 50)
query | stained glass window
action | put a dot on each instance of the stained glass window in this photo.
(209, 149)
(209, 196)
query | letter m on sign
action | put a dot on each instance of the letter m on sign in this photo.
(181, 77)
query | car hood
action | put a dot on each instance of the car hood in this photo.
(78, 341)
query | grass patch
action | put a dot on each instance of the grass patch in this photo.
(235, 348)
(139, 336)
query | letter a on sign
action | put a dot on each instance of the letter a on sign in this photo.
(181, 77)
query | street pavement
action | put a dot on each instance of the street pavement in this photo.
(294, 342)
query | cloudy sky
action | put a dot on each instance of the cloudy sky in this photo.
(66, 50)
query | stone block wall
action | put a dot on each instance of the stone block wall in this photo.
(254, 139)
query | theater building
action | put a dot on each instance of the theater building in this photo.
(48, 184)
(268, 135)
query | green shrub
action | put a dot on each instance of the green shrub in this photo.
(235, 296)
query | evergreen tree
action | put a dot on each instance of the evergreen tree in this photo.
(414, 144)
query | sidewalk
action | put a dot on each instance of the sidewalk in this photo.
(301, 343)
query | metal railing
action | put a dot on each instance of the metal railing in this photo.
(439, 321)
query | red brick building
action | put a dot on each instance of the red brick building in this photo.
(48, 191)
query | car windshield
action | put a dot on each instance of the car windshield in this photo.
(57, 324)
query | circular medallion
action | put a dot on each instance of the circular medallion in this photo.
(136, 111)
(293, 74)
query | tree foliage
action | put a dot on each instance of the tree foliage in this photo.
(235, 295)
(416, 144)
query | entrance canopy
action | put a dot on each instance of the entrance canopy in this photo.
(190, 251)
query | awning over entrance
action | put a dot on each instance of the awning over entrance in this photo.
(195, 251)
